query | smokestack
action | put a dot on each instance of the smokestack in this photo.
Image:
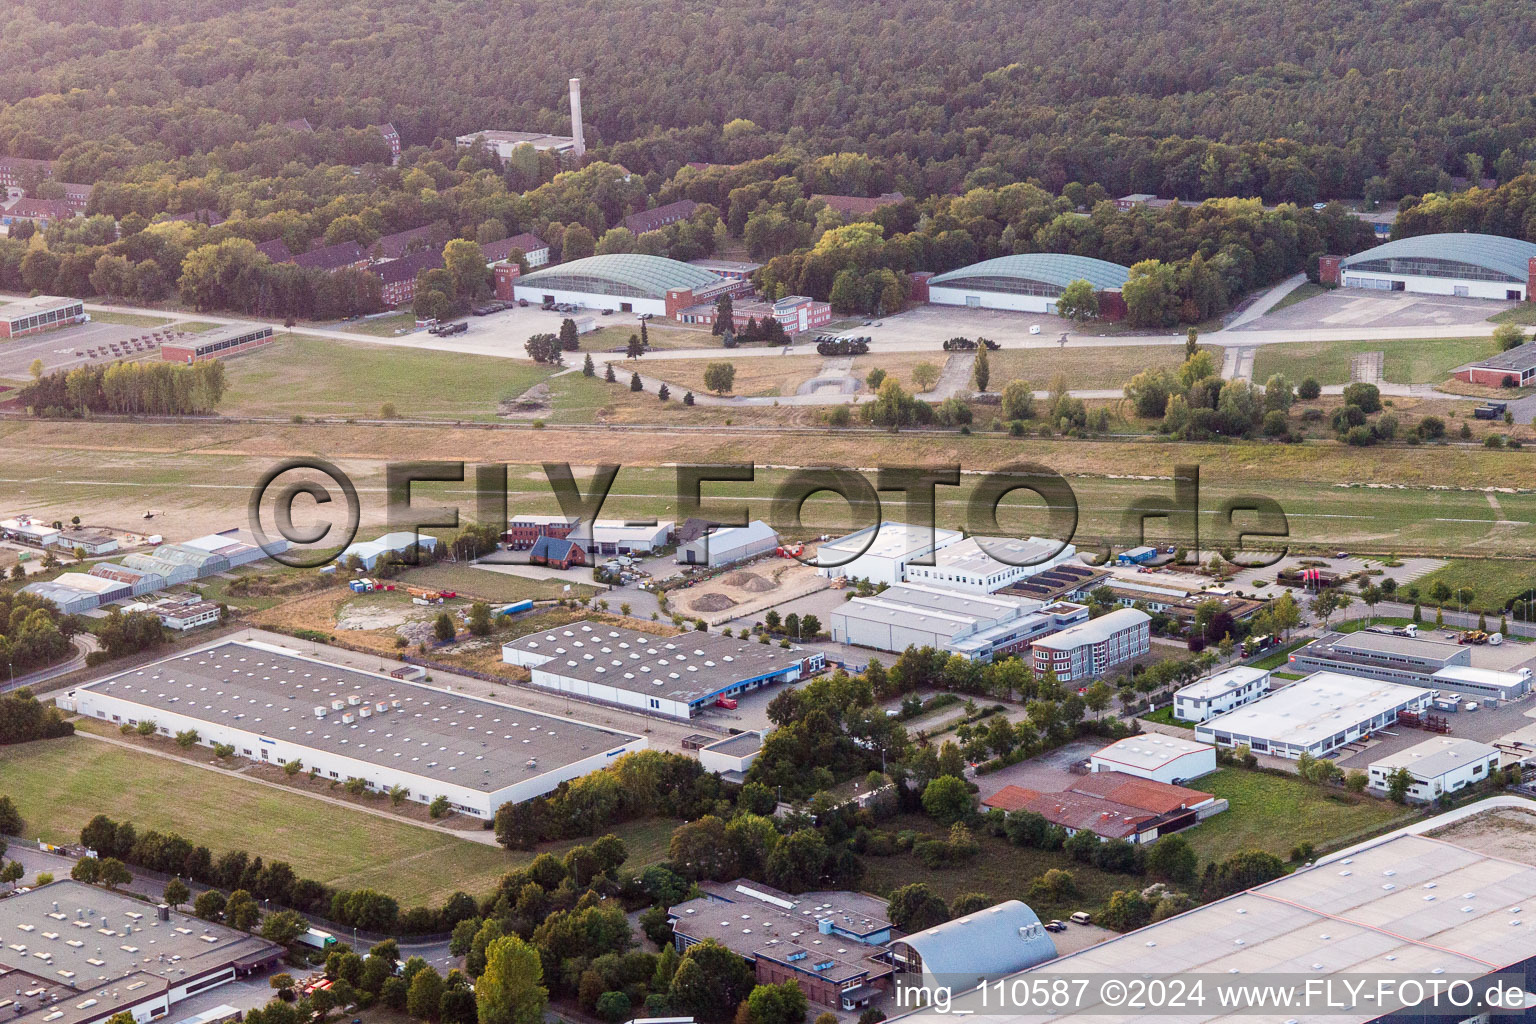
(576, 132)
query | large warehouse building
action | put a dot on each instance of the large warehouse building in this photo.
(985, 565)
(1030, 282)
(72, 953)
(627, 282)
(1406, 907)
(275, 705)
(1450, 263)
(41, 313)
(881, 553)
(978, 627)
(677, 676)
(729, 544)
(1411, 661)
(1315, 715)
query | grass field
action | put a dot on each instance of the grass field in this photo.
(1274, 813)
(131, 319)
(488, 585)
(1300, 293)
(1085, 367)
(1403, 362)
(755, 376)
(1279, 656)
(380, 326)
(1494, 581)
(1164, 716)
(1002, 871)
(59, 785)
(1523, 314)
(322, 377)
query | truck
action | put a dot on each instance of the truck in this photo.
(316, 938)
(728, 703)
(1490, 410)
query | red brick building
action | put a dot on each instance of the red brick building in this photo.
(398, 276)
(660, 217)
(391, 139)
(524, 531)
(1513, 368)
(218, 343)
(556, 553)
(43, 313)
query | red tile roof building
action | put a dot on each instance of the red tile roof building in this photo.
(661, 216)
(399, 276)
(1113, 806)
(535, 250)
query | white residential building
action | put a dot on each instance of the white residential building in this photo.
(985, 565)
(1217, 694)
(882, 553)
(1437, 766)
(1156, 756)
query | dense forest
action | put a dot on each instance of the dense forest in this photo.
(1278, 98)
(1006, 127)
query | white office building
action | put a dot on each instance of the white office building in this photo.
(985, 565)
(1316, 715)
(1156, 756)
(1436, 766)
(882, 553)
(1217, 694)
(274, 705)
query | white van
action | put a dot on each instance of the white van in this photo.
(1081, 917)
(1494, 639)
(1035, 329)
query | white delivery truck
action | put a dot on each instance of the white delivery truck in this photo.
(317, 938)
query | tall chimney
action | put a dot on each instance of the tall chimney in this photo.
(576, 132)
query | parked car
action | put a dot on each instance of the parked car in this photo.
(523, 303)
(1054, 925)
(1081, 917)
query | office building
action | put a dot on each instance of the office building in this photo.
(1217, 694)
(1315, 715)
(985, 565)
(1090, 649)
(1437, 767)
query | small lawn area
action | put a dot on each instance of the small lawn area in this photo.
(488, 585)
(1300, 293)
(1279, 656)
(320, 377)
(380, 326)
(1523, 314)
(1494, 581)
(1164, 716)
(1427, 361)
(132, 319)
(1275, 813)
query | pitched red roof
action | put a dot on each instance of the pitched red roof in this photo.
(860, 206)
(392, 247)
(42, 209)
(275, 250)
(407, 267)
(1075, 811)
(527, 242)
(331, 257)
(1134, 791)
(650, 220)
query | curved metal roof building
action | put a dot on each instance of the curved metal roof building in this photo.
(1052, 270)
(1456, 255)
(630, 274)
(979, 947)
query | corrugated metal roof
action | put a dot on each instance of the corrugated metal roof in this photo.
(1506, 255)
(1055, 268)
(989, 943)
(652, 275)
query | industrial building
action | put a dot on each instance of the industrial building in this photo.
(400, 542)
(985, 565)
(674, 676)
(979, 627)
(881, 553)
(140, 581)
(90, 540)
(28, 530)
(1113, 805)
(170, 572)
(41, 313)
(274, 705)
(72, 953)
(627, 537)
(68, 600)
(1437, 766)
(185, 615)
(1315, 715)
(1512, 368)
(795, 313)
(1030, 282)
(231, 340)
(1404, 907)
(979, 947)
(627, 282)
(833, 944)
(1412, 661)
(1090, 649)
(729, 544)
(1217, 694)
(1156, 756)
(233, 546)
(731, 757)
(1448, 263)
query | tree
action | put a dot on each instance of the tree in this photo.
(1078, 302)
(443, 627)
(241, 911)
(608, 374)
(424, 998)
(543, 348)
(1398, 785)
(1508, 336)
(466, 266)
(914, 907)
(1172, 859)
(1018, 400)
(10, 818)
(112, 873)
(947, 799)
(687, 397)
(924, 376)
(720, 377)
(635, 383)
(981, 370)
(570, 341)
(511, 990)
(1326, 602)
(587, 367)
(634, 348)
(663, 392)
(283, 926)
(176, 892)
(725, 317)
(777, 1004)
(209, 905)
(709, 983)
(1308, 389)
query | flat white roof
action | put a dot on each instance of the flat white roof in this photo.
(1222, 682)
(968, 556)
(1094, 630)
(611, 530)
(84, 581)
(891, 540)
(915, 606)
(1485, 676)
(1315, 708)
(1151, 750)
(1436, 757)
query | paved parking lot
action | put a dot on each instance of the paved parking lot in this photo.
(1483, 725)
(69, 347)
(1045, 772)
(928, 326)
(1355, 307)
(1411, 569)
